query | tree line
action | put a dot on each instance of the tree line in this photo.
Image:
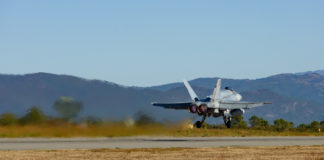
(278, 124)
(66, 108)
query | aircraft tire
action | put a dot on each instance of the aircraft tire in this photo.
(228, 124)
(198, 124)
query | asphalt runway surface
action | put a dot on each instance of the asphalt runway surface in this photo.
(152, 142)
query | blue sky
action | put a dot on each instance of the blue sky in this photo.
(147, 43)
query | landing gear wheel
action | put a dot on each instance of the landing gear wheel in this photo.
(228, 124)
(227, 121)
(198, 124)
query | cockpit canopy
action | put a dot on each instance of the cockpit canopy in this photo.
(229, 88)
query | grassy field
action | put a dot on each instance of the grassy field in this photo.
(119, 130)
(221, 153)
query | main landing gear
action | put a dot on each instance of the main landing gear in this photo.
(227, 121)
(198, 124)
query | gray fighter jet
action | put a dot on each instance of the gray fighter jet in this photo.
(226, 103)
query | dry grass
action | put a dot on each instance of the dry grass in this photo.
(120, 130)
(242, 153)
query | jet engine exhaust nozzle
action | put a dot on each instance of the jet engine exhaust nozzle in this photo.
(202, 109)
(193, 109)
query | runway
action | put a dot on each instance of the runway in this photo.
(151, 142)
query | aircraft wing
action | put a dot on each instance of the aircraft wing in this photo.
(185, 105)
(241, 105)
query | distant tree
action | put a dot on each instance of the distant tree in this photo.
(264, 123)
(34, 116)
(238, 122)
(254, 121)
(314, 126)
(257, 122)
(8, 119)
(67, 108)
(302, 127)
(91, 120)
(322, 125)
(282, 125)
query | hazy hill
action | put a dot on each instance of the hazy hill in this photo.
(100, 98)
(320, 72)
(298, 98)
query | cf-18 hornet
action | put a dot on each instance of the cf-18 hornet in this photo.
(225, 103)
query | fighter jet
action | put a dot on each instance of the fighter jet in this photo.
(225, 103)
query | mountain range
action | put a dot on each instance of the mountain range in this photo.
(297, 97)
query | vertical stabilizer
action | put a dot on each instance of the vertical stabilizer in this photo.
(217, 90)
(192, 93)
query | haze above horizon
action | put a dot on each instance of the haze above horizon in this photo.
(147, 43)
